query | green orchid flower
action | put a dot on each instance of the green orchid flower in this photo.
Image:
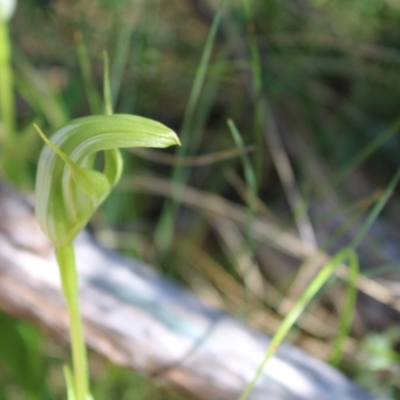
(69, 189)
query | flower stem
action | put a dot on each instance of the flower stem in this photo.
(69, 279)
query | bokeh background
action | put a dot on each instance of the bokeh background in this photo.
(312, 86)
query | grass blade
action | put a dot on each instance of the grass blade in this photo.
(92, 94)
(376, 210)
(108, 109)
(311, 291)
(256, 71)
(164, 230)
(247, 167)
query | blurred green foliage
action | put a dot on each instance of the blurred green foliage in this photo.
(21, 359)
(30, 369)
(330, 70)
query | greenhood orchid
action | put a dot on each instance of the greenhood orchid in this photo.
(69, 189)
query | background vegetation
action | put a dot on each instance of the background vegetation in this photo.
(312, 84)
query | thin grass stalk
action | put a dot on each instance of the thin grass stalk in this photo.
(249, 173)
(382, 270)
(256, 73)
(165, 227)
(376, 210)
(7, 109)
(319, 281)
(313, 288)
(37, 93)
(122, 51)
(362, 155)
(349, 307)
(13, 159)
(250, 177)
(189, 161)
(199, 80)
(148, 24)
(92, 95)
(108, 108)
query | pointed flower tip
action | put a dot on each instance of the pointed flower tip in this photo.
(177, 141)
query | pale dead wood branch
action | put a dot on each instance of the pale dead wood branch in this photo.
(240, 256)
(194, 161)
(263, 230)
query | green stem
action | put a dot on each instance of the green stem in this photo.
(69, 279)
(7, 112)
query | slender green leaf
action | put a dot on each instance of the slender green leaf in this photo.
(376, 210)
(107, 89)
(93, 96)
(164, 230)
(313, 288)
(247, 167)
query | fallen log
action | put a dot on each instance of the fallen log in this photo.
(136, 318)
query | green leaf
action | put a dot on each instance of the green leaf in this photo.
(68, 188)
